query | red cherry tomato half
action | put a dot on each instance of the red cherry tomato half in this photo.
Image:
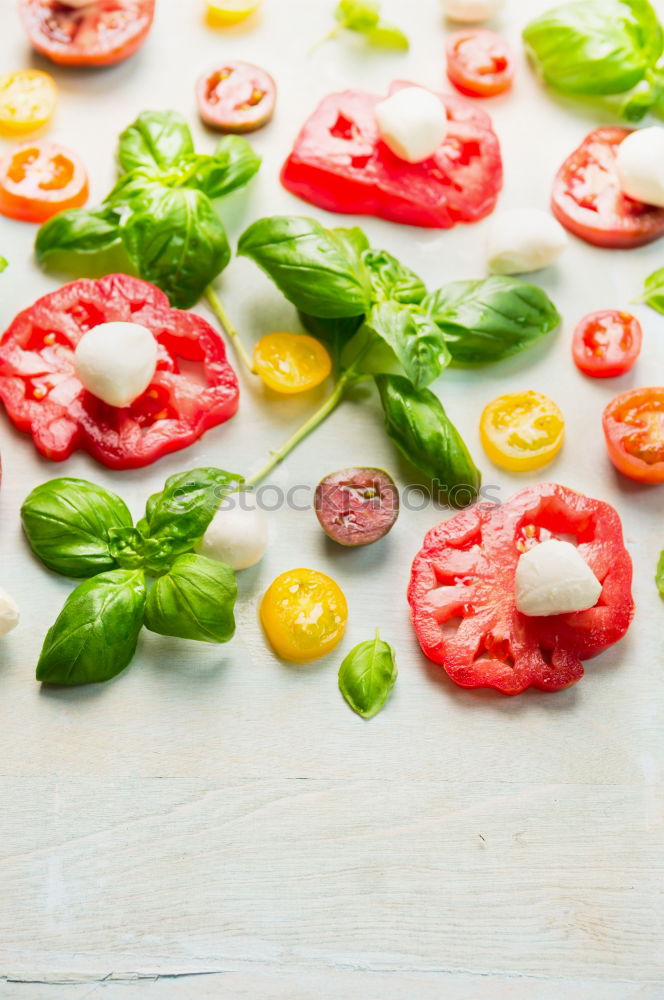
(587, 198)
(634, 430)
(100, 34)
(40, 179)
(607, 343)
(236, 97)
(479, 62)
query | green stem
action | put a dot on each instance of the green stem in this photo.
(327, 38)
(217, 308)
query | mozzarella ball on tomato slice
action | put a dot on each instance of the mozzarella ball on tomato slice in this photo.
(522, 240)
(412, 123)
(640, 165)
(553, 578)
(116, 361)
(9, 612)
(472, 11)
(237, 534)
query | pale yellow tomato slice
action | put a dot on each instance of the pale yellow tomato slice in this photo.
(291, 362)
(522, 431)
(224, 13)
(27, 101)
(304, 615)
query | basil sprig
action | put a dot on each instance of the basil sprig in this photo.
(659, 575)
(79, 529)
(159, 220)
(363, 17)
(367, 676)
(653, 291)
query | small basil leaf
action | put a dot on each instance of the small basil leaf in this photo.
(194, 600)
(68, 524)
(390, 279)
(491, 319)
(653, 291)
(156, 139)
(78, 232)
(659, 575)
(232, 166)
(415, 339)
(358, 15)
(3, 264)
(387, 36)
(316, 270)
(334, 333)
(95, 635)
(418, 425)
(367, 676)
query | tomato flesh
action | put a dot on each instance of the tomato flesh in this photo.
(27, 101)
(237, 97)
(607, 343)
(462, 589)
(633, 426)
(340, 163)
(44, 397)
(304, 615)
(101, 34)
(479, 63)
(224, 13)
(588, 201)
(522, 431)
(290, 362)
(40, 179)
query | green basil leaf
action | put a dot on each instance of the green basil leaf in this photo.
(659, 575)
(194, 600)
(95, 635)
(3, 264)
(595, 47)
(367, 676)
(232, 166)
(315, 268)
(387, 36)
(491, 319)
(156, 139)
(358, 15)
(415, 339)
(418, 425)
(390, 279)
(68, 523)
(78, 231)
(653, 291)
(334, 333)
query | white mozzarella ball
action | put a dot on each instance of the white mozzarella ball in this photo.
(522, 240)
(472, 11)
(116, 361)
(553, 578)
(640, 165)
(237, 535)
(9, 612)
(413, 123)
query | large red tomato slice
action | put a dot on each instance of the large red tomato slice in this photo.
(43, 396)
(340, 163)
(100, 34)
(587, 198)
(462, 592)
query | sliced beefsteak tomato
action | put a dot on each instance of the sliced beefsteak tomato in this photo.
(43, 396)
(340, 163)
(587, 198)
(102, 33)
(462, 592)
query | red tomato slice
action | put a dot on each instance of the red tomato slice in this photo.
(462, 600)
(588, 201)
(479, 63)
(40, 179)
(43, 396)
(634, 430)
(100, 34)
(607, 343)
(339, 163)
(237, 97)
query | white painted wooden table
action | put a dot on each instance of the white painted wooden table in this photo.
(215, 823)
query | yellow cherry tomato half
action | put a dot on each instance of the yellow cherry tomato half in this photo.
(304, 615)
(27, 101)
(522, 431)
(225, 13)
(291, 362)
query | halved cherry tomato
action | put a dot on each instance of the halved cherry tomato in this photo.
(479, 62)
(634, 430)
(522, 431)
(304, 614)
(27, 101)
(236, 97)
(587, 198)
(291, 362)
(100, 34)
(225, 13)
(40, 179)
(607, 343)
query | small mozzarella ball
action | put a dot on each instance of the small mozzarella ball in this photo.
(640, 165)
(9, 612)
(472, 11)
(237, 536)
(553, 578)
(116, 361)
(413, 123)
(523, 240)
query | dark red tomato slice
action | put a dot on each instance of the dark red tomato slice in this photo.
(100, 34)
(237, 97)
(462, 592)
(588, 201)
(339, 163)
(43, 396)
(479, 63)
(607, 343)
(634, 430)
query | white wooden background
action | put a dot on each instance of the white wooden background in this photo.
(215, 823)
